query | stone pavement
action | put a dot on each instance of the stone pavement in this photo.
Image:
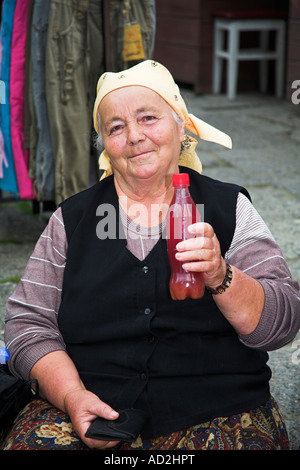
(265, 159)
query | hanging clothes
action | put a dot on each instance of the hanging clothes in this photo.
(29, 117)
(53, 55)
(3, 160)
(17, 84)
(44, 161)
(123, 14)
(8, 181)
(74, 62)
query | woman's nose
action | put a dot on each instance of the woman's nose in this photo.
(135, 133)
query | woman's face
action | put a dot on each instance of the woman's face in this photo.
(140, 134)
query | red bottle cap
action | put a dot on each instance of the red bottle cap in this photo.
(181, 179)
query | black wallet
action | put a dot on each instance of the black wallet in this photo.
(126, 427)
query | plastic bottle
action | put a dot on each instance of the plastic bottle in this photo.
(182, 213)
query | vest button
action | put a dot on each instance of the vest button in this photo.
(150, 338)
(147, 311)
(145, 269)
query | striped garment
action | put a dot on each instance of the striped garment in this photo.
(32, 310)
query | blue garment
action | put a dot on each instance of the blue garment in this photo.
(9, 180)
(3, 160)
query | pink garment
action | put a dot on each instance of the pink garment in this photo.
(17, 90)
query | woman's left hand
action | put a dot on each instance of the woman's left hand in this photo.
(203, 254)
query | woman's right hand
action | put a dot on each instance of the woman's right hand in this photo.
(83, 407)
(60, 384)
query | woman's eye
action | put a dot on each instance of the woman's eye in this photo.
(149, 118)
(115, 129)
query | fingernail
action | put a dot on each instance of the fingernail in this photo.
(114, 414)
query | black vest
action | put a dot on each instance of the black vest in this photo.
(134, 346)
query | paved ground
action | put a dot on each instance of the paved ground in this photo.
(265, 158)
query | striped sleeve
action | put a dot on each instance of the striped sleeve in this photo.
(249, 226)
(254, 251)
(31, 329)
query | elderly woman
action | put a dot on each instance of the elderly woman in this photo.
(93, 320)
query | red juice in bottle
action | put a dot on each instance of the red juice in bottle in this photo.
(182, 213)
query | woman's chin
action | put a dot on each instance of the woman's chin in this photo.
(144, 170)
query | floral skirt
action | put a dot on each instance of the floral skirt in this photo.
(40, 426)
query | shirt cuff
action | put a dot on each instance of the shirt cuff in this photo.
(260, 338)
(29, 356)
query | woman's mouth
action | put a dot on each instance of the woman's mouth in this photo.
(140, 154)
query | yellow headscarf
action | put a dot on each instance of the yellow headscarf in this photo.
(156, 77)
